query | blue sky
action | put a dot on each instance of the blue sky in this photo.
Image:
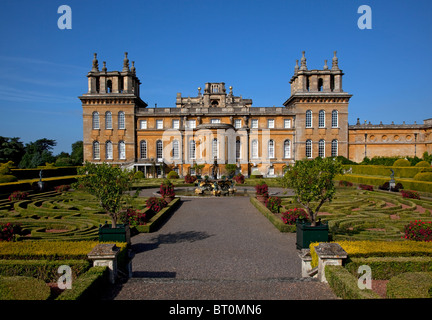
(177, 46)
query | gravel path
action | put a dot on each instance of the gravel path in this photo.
(217, 248)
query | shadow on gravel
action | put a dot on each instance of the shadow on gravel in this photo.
(170, 238)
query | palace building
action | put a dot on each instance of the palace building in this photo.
(218, 126)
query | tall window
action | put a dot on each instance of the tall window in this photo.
(121, 120)
(254, 123)
(143, 124)
(321, 119)
(254, 149)
(191, 124)
(287, 149)
(321, 148)
(215, 148)
(176, 124)
(271, 149)
(159, 149)
(122, 150)
(309, 119)
(159, 124)
(320, 84)
(308, 148)
(237, 123)
(95, 120)
(192, 149)
(271, 123)
(108, 150)
(238, 149)
(287, 123)
(334, 148)
(96, 150)
(143, 149)
(335, 121)
(175, 149)
(108, 120)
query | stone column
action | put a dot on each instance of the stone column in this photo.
(105, 254)
(329, 254)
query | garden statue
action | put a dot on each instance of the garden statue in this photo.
(40, 183)
(214, 169)
(392, 183)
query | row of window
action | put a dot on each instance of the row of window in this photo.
(109, 150)
(108, 120)
(215, 149)
(321, 148)
(321, 119)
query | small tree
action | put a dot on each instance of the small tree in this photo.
(108, 184)
(312, 182)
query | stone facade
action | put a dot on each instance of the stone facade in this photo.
(217, 125)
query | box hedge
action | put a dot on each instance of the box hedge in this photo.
(23, 288)
(410, 285)
(376, 170)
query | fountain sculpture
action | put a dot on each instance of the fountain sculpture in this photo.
(215, 186)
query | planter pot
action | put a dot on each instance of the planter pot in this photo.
(168, 199)
(119, 234)
(307, 234)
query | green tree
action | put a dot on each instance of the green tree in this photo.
(11, 149)
(108, 184)
(77, 154)
(312, 182)
(38, 153)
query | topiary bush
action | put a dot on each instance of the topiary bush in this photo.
(401, 163)
(172, 175)
(424, 164)
(423, 176)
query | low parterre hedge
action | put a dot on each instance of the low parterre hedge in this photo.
(23, 288)
(410, 285)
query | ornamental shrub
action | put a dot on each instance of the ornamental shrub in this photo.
(172, 175)
(410, 194)
(273, 204)
(133, 217)
(156, 204)
(18, 195)
(261, 189)
(62, 188)
(423, 163)
(344, 183)
(239, 178)
(423, 176)
(418, 230)
(401, 163)
(9, 230)
(189, 179)
(167, 189)
(290, 216)
(366, 187)
(139, 175)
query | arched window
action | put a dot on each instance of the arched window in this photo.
(215, 148)
(271, 149)
(320, 84)
(335, 120)
(308, 148)
(321, 148)
(308, 119)
(121, 120)
(287, 149)
(334, 148)
(238, 149)
(192, 149)
(175, 149)
(159, 149)
(108, 120)
(143, 149)
(321, 119)
(108, 150)
(254, 148)
(122, 150)
(95, 120)
(96, 150)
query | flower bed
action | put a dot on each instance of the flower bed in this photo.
(419, 231)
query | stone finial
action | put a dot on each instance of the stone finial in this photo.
(325, 65)
(95, 67)
(126, 63)
(133, 70)
(335, 61)
(296, 68)
(104, 68)
(303, 62)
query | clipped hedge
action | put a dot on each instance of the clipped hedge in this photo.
(158, 218)
(27, 185)
(25, 174)
(45, 270)
(423, 176)
(23, 288)
(410, 285)
(345, 285)
(87, 286)
(402, 163)
(375, 170)
(384, 268)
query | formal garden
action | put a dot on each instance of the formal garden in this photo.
(387, 227)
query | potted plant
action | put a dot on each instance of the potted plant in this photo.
(312, 182)
(167, 191)
(262, 192)
(108, 184)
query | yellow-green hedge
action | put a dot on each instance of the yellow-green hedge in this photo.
(375, 170)
(49, 250)
(379, 249)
